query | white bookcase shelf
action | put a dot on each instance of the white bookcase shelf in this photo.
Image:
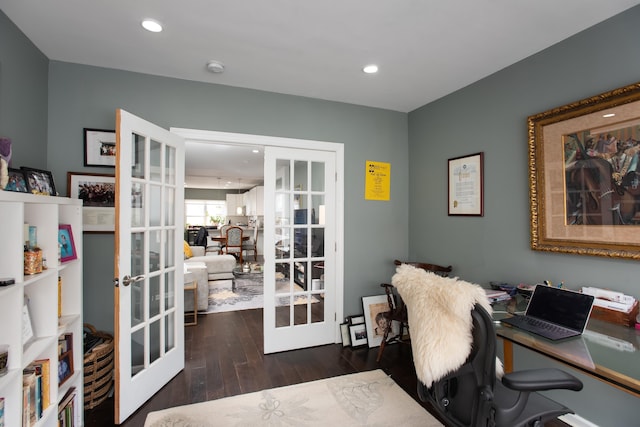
(41, 292)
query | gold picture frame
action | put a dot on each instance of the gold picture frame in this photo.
(583, 187)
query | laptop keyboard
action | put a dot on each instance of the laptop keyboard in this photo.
(543, 328)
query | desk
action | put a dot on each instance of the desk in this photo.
(606, 351)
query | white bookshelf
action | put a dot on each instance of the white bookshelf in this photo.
(41, 291)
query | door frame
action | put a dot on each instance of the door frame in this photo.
(229, 138)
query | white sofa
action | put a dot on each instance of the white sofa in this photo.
(218, 267)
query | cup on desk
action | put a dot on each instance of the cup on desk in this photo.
(4, 359)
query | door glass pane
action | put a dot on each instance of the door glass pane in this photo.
(317, 207)
(169, 206)
(138, 156)
(170, 165)
(282, 209)
(155, 205)
(137, 302)
(169, 332)
(282, 242)
(154, 341)
(137, 352)
(317, 176)
(300, 175)
(137, 254)
(155, 161)
(154, 250)
(283, 170)
(169, 258)
(154, 296)
(169, 294)
(137, 204)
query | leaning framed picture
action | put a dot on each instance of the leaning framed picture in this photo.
(16, 181)
(466, 185)
(99, 147)
(39, 181)
(66, 243)
(584, 180)
(376, 323)
(98, 193)
(344, 331)
(358, 335)
(65, 367)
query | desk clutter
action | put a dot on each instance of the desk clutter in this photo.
(608, 305)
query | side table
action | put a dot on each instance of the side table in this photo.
(191, 284)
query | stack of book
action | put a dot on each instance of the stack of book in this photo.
(495, 295)
(35, 391)
(66, 409)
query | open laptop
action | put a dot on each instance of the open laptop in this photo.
(554, 313)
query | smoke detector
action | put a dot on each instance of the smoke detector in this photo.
(215, 67)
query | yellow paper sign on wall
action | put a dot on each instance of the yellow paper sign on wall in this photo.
(377, 183)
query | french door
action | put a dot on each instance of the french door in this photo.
(149, 331)
(300, 251)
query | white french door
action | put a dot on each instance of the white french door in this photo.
(300, 248)
(149, 331)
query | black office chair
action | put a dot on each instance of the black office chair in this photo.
(471, 396)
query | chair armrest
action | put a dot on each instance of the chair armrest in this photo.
(386, 286)
(541, 379)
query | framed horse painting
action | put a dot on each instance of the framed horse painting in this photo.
(584, 176)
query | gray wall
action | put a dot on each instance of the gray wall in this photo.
(23, 96)
(82, 96)
(491, 116)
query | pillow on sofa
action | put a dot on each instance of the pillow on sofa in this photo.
(187, 251)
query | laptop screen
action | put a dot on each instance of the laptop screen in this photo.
(560, 306)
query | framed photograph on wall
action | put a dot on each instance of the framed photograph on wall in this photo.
(98, 193)
(66, 242)
(376, 323)
(466, 182)
(584, 184)
(39, 181)
(99, 148)
(16, 181)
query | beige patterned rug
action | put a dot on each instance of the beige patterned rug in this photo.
(362, 399)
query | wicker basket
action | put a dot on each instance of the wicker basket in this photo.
(98, 369)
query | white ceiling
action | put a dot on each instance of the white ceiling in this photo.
(425, 49)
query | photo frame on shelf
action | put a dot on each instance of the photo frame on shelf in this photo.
(344, 331)
(66, 242)
(358, 334)
(374, 308)
(99, 147)
(65, 367)
(27, 327)
(97, 192)
(39, 181)
(466, 185)
(570, 148)
(16, 182)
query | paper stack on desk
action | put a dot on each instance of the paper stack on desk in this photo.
(496, 295)
(610, 299)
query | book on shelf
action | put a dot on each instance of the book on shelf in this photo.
(66, 409)
(42, 367)
(59, 297)
(30, 388)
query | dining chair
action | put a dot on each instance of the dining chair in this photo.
(233, 243)
(252, 244)
(398, 310)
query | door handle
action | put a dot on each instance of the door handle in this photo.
(127, 280)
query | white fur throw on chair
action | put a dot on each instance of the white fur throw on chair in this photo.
(440, 321)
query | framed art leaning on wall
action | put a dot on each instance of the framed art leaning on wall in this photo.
(584, 176)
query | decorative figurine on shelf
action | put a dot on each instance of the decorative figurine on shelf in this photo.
(5, 161)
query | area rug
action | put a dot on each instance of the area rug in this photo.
(247, 295)
(363, 399)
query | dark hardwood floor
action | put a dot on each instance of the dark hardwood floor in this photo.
(224, 357)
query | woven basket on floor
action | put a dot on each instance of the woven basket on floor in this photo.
(98, 369)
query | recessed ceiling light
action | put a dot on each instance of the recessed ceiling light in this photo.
(609, 115)
(256, 151)
(152, 25)
(370, 69)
